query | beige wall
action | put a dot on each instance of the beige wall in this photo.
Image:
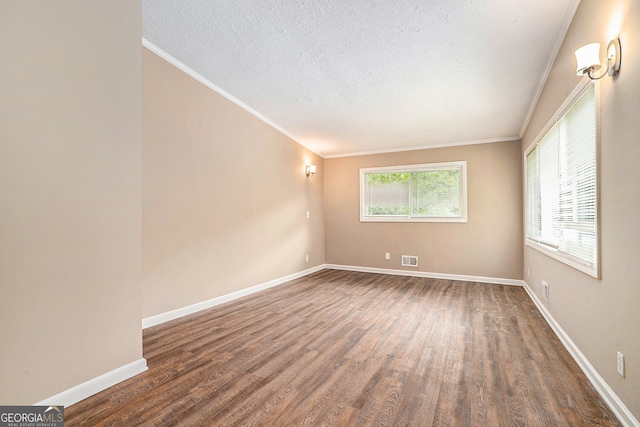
(488, 245)
(224, 195)
(602, 316)
(70, 191)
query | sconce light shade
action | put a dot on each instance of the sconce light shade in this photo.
(310, 170)
(588, 58)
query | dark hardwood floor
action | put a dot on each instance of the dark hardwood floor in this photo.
(356, 349)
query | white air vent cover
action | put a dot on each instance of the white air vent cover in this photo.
(409, 261)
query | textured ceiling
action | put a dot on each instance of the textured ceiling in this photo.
(356, 76)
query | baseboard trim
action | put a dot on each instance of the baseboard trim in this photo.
(481, 279)
(95, 385)
(194, 308)
(604, 390)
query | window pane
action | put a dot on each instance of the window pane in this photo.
(387, 193)
(432, 192)
(436, 193)
(577, 180)
(548, 170)
(534, 219)
(562, 186)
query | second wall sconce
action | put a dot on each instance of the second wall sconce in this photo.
(310, 170)
(588, 59)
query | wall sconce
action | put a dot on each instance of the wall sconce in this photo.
(588, 59)
(310, 170)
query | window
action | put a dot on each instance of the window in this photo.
(561, 187)
(430, 192)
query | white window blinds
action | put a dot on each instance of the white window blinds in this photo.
(561, 187)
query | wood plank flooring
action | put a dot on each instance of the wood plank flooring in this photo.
(355, 349)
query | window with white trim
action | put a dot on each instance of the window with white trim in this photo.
(433, 192)
(562, 187)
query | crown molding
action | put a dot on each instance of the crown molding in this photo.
(425, 147)
(199, 77)
(542, 81)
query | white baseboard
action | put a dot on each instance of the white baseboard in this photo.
(608, 395)
(481, 279)
(98, 384)
(95, 385)
(190, 309)
(194, 308)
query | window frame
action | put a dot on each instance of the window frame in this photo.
(427, 167)
(567, 259)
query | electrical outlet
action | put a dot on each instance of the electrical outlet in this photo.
(387, 255)
(528, 272)
(545, 291)
(620, 364)
(306, 258)
(308, 215)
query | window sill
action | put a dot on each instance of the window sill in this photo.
(553, 253)
(410, 219)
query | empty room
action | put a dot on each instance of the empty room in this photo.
(318, 212)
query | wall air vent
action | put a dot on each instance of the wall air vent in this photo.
(409, 261)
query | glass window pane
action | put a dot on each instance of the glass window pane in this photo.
(562, 182)
(436, 193)
(432, 192)
(387, 193)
